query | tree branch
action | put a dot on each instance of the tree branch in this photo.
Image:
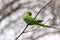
(22, 32)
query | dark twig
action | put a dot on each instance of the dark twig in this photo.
(31, 30)
(22, 32)
(34, 18)
(42, 8)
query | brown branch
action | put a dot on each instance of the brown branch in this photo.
(22, 32)
(31, 30)
(34, 18)
(42, 8)
(40, 30)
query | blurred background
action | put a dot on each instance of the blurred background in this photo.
(12, 24)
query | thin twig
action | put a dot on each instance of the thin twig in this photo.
(31, 30)
(22, 32)
(34, 18)
(42, 8)
(47, 21)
